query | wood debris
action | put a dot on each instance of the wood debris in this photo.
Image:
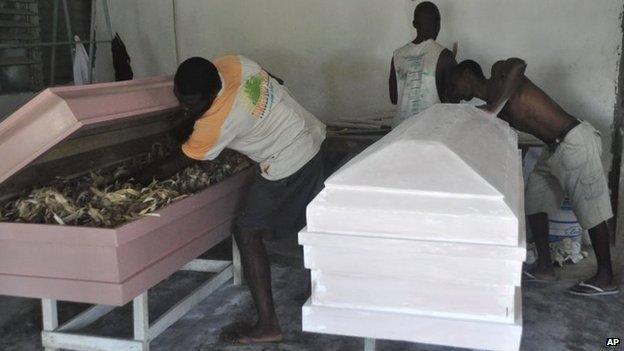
(108, 198)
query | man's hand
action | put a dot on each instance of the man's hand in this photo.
(164, 169)
(507, 76)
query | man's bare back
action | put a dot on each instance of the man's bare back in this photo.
(531, 111)
(521, 103)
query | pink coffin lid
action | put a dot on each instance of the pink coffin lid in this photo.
(56, 113)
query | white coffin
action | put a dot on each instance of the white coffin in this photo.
(440, 279)
(451, 173)
(415, 328)
(421, 237)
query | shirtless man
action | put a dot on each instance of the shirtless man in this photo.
(570, 165)
(419, 70)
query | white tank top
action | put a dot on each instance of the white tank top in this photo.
(415, 66)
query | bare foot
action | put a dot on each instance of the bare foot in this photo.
(243, 333)
(231, 332)
(598, 285)
(540, 274)
(602, 281)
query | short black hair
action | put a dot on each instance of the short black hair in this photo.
(469, 66)
(197, 75)
(426, 11)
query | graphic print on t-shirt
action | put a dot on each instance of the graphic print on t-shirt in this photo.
(414, 89)
(258, 94)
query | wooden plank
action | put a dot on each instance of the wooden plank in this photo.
(55, 340)
(140, 312)
(210, 266)
(12, 11)
(239, 277)
(86, 318)
(16, 36)
(49, 309)
(16, 61)
(50, 314)
(184, 306)
(15, 24)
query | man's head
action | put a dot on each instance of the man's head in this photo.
(462, 81)
(196, 85)
(427, 20)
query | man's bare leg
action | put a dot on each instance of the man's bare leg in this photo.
(539, 226)
(257, 270)
(599, 236)
(602, 283)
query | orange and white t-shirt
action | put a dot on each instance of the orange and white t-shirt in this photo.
(256, 116)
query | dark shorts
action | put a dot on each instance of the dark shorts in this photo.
(280, 205)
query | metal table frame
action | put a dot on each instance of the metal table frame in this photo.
(55, 337)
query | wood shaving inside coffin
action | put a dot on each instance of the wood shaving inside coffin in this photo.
(109, 199)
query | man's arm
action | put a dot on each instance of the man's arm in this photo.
(446, 62)
(183, 130)
(392, 83)
(164, 169)
(506, 78)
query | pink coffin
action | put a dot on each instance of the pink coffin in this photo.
(94, 265)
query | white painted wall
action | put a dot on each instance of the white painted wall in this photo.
(334, 55)
(146, 27)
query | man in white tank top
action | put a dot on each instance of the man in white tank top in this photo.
(420, 69)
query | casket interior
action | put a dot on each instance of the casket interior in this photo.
(105, 145)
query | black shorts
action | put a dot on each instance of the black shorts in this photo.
(280, 205)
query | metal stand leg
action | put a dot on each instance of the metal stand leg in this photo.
(369, 344)
(140, 313)
(236, 263)
(50, 317)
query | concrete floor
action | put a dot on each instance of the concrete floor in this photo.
(553, 319)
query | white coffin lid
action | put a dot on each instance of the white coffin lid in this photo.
(451, 173)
